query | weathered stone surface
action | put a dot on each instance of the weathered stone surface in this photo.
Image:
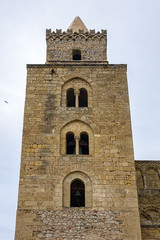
(107, 172)
(148, 183)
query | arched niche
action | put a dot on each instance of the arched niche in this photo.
(77, 128)
(79, 86)
(67, 182)
(139, 179)
(152, 179)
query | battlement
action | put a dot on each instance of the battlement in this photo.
(76, 43)
(91, 44)
(59, 34)
(70, 31)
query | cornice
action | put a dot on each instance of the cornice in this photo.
(77, 64)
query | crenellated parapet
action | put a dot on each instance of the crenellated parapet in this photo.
(92, 34)
(91, 44)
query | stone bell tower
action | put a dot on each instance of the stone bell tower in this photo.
(77, 178)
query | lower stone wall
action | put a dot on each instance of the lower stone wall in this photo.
(73, 224)
(148, 184)
(149, 204)
(150, 232)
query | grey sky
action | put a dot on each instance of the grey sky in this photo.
(133, 38)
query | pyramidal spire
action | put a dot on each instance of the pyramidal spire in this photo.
(77, 25)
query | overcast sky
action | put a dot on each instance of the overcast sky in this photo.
(133, 38)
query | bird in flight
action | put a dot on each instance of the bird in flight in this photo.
(6, 102)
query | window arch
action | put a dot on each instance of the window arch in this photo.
(70, 143)
(76, 54)
(84, 144)
(79, 90)
(70, 98)
(77, 191)
(77, 144)
(82, 137)
(70, 179)
(83, 98)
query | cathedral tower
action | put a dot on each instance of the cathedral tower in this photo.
(77, 177)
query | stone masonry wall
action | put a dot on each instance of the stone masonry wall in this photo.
(148, 183)
(61, 44)
(109, 168)
(74, 224)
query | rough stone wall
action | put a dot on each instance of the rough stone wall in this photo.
(110, 168)
(148, 183)
(69, 224)
(61, 44)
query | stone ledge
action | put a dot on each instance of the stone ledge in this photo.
(79, 64)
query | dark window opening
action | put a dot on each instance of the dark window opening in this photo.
(84, 144)
(70, 144)
(77, 194)
(76, 54)
(83, 98)
(70, 98)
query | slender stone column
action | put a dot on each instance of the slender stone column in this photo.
(76, 93)
(77, 144)
(144, 180)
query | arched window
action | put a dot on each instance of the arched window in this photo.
(83, 98)
(70, 144)
(81, 137)
(77, 194)
(69, 188)
(84, 144)
(76, 54)
(70, 98)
